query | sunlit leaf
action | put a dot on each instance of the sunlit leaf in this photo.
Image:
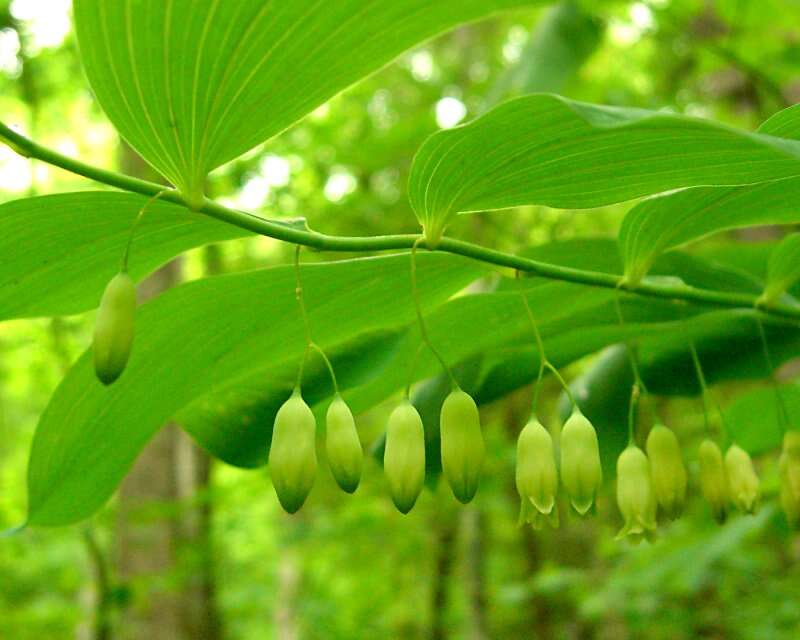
(755, 421)
(784, 268)
(191, 84)
(59, 252)
(662, 223)
(201, 338)
(544, 149)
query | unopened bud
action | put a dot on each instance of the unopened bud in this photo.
(789, 470)
(743, 489)
(113, 330)
(293, 455)
(537, 478)
(462, 444)
(667, 470)
(345, 455)
(635, 497)
(581, 473)
(404, 456)
(712, 478)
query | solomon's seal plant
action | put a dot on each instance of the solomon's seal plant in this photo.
(581, 473)
(535, 150)
(536, 475)
(113, 330)
(462, 444)
(635, 496)
(404, 456)
(292, 454)
(667, 470)
(713, 480)
(342, 445)
(743, 488)
(789, 470)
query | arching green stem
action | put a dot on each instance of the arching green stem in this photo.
(544, 363)
(783, 413)
(423, 331)
(289, 233)
(310, 344)
(135, 226)
(707, 400)
(412, 368)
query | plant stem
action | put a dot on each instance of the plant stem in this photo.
(701, 378)
(411, 369)
(289, 233)
(423, 331)
(543, 362)
(310, 344)
(639, 388)
(632, 414)
(563, 383)
(783, 413)
(630, 349)
(135, 226)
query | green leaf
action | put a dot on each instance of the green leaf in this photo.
(374, 367)
(204, 337)
(545, 149)
(192, 84)
(784, 124)
(666, 222)
(660, 224)
(60, 251)
(754, 419)
(784, 268)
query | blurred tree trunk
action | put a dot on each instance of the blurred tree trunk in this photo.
(535, 618)
(444, 547)
(286, 624)
(163, 529)
(472, 527)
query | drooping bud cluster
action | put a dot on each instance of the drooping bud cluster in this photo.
(635, 496)
(404, 456)
(789, 470)
(647, 480)
(536, 475)
(667, 470)
(292, 455)
(743, 490)
(113, 330)
(462, 444)
(581, 473)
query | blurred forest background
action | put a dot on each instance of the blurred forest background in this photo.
(195, 549)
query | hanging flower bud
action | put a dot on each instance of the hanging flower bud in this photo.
(345, 455)
(635, 496)
(537, 478)
(404, 456)
(113, 330)
(462, 444)
(581, 473)
(712, 478)
(293, 456)
(742, 479)
(789, 470)
(667, 470)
